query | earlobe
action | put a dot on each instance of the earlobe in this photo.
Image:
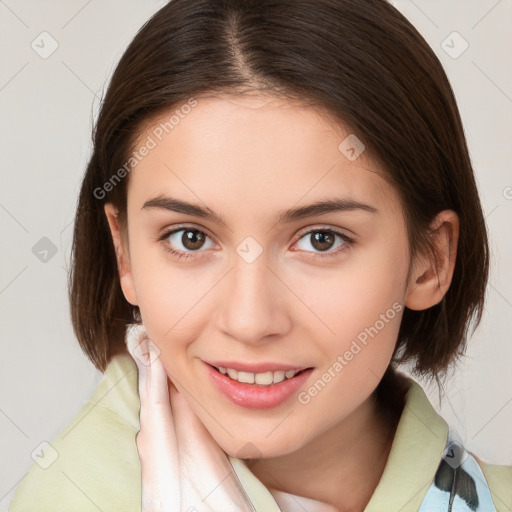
(432, 274)
(122, 255)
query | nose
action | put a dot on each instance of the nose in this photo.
(253, 305)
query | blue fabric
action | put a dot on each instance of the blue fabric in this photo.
(459, 484)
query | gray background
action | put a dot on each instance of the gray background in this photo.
(47, 107)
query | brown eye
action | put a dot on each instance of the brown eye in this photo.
(323, 240)
(192, 239)
(185, 241)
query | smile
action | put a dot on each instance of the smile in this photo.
(257, 390)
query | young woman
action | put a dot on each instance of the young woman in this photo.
(279, 210)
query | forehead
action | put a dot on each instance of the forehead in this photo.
(253, 151)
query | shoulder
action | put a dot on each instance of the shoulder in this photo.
(93, 462)
(499, 479)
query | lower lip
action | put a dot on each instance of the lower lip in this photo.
(252, 396)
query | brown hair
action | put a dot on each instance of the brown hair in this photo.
(364, 63)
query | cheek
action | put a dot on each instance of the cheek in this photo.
(171, 300)
(358, 310)
(363, 311)
(346, 301)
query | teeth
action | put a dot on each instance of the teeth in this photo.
(278, 376)
(262, 379)
(232, 373)
(246, 377)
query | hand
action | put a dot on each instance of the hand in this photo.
(183, 468)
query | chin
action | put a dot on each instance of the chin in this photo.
(258, 448)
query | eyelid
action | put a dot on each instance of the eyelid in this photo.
(166, 232)
(326, 227)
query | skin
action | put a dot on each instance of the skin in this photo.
(248, 157)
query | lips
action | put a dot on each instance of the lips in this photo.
(253, 396)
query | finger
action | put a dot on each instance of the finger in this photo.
(207, 479)
(156, 440)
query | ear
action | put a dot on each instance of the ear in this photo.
(122, 254)
(431, 276)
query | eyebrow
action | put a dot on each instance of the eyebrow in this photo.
(286, 216)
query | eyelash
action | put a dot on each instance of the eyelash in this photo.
(187, 255)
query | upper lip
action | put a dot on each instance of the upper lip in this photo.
(256, 367)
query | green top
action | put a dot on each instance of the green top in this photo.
(93, 463)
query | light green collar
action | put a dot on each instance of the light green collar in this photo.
(417, 448)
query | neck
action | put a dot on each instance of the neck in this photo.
(343, 466)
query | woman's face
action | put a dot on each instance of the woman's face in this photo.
(254, 285)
